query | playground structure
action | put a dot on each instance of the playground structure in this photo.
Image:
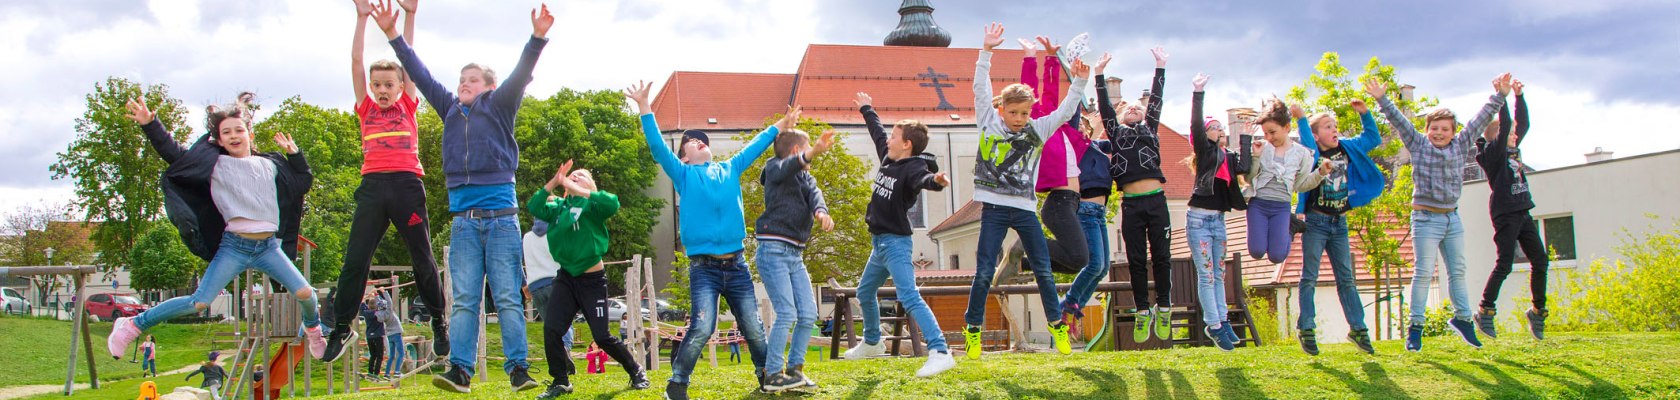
(78, 324)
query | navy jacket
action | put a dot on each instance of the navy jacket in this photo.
(186, 191)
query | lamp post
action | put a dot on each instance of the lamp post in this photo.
(49, 252)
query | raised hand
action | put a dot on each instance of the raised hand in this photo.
(822, 218)
(1359, 106)
(1080, 70)
(1049, 46)
(285, 142)
(138, 112)
(386, 17)
(1375, 87)
(1259, 145)
(1029, 47)
(1200, 81)
(941, 179)
(408, 6)
(540, 22)
(790, 119)
(1160, 56)
(1502, 83)
(560, 176)
(1516, 86)
(1102, 63)
(862, 99)
(994, 36)
(363, 7)
(1296, 112)
(823, 144)
(639, 93)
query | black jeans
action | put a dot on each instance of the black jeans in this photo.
(376, 353)
(569, 295)
(1144, 224)
(382, 200)
(1068, 250)
(1509, 231)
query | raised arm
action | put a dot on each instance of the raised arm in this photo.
(512, 90)
(1397, 120)
(1199, 143)
(1152, 115)
(602, 205)
(877, 132)
(1051, 86)
(739, 163)
(662, 154)
(166, 146)
(436, 94)
(1029, 70)
(1070, 104)
(1369, 136)
(358, 73)
(984, 114)
(1478, 124)
(409, 7)
(1522, 111)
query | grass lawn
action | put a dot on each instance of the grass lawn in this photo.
(41, 344)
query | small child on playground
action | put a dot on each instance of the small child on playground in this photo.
(792, 205)
(394, 349)
(214, 375)
(905, 171)
(596, 358)
(148, 360)
(577, 238)
(238, 209)
(712, 227)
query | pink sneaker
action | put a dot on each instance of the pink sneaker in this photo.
(317, 344)
(123, 332)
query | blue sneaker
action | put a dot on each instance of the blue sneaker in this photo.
(1414, 338)
(1229, 333)
(1466, 330)
(1219, 338)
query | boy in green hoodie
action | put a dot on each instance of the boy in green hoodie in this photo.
(577, 238)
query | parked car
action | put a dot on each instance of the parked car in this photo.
(15, 303)
(616, 310)
(665, 311)
(110, 306)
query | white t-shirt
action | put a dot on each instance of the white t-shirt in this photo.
(538, 262)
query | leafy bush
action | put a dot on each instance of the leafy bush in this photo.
(1638, 293)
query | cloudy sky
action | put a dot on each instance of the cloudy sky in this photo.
(1599, 73)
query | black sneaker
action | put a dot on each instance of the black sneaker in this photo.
(1309, 342)
(1466, 330)
(1484, 321)
(780, 381)
(440, 337)
(639, 381)
(798, 371)
(521, 380)
(1537, 323)
(1414, 338)
(1362, 339)
(555, 390)
(676, 391)
(455, 380)
(336, 341)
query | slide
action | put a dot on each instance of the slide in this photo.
(1103, 341)
(279, 371)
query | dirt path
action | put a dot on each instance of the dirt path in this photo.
(15, 392)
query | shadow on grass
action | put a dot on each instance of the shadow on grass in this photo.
(1155, 388)
(1600, 388)
(1376, 383)
(865, 389)
(1107, 383)
(1234, 385)
(1503, 386)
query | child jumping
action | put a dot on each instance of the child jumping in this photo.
(1058, 169)
(792, 204)
(905, 171)
(1513, 227)
(1215, 192)
(1145, 220)
(1280, 169)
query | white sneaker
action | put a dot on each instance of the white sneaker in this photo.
(937, 362)
(865, 350)
(123, 332)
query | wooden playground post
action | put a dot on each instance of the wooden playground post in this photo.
(79, 325)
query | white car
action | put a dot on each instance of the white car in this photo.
(15, 303)
(615, 310)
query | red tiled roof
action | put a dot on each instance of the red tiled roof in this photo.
(1263, 273)
(739, 101)
(900, 79)
(1175, 147)
(968, 214)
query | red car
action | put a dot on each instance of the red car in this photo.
(110, 306)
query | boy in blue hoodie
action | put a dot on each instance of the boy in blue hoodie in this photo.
(479, 159)
(1354, 181)
(711, 226)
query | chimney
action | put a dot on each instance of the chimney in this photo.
(1598, 154)
(916, 27)
(1406, 93)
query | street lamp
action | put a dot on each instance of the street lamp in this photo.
(49, 252)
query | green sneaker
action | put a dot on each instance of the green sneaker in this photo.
(1140, 326)
(971, 337)
(1163, 323)
(1059, 334)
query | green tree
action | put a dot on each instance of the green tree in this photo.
(28, 232)
(1331, 89)
(1637, 293)
(845, 183)
(160, 262)
(116, 173)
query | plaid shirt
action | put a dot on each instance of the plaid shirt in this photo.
(1438, 172)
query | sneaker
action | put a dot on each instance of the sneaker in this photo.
(1466, 330)
(1219, 338)
(1309, 342)
(971, 338)
(865, 350)
(1414, 338)
(455, 380)
(798, 371)
(781, 381)
(440, 337)
(1484, 322)
(1225, 327)
(335, 343)
(1059, 335)
(1537, 323)
(555, 391)
(938, 361)
(317, 343)
(676, 391)
(639, 381)
(123, 332)
(521, 380)
(1141, 324)
(1362, 340)
(1163, 323)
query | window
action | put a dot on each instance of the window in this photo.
(918, 219)
(954, 263)
(1559, 233)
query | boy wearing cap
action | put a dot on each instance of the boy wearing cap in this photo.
(712, 226)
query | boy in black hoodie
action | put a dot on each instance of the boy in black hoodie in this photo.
(905, 171)
(1509, 203)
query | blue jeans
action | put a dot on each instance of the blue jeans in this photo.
(890, 256)
(708, 279)
(1206, 231)
(1328, 233)
(235, 255)
(480, 250)
(781, 266)
(995, 222)
(394, 347)
(1436, 236)
(1093, 218)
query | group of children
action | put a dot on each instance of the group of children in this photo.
(240, 209)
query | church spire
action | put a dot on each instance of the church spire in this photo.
(916, 27)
